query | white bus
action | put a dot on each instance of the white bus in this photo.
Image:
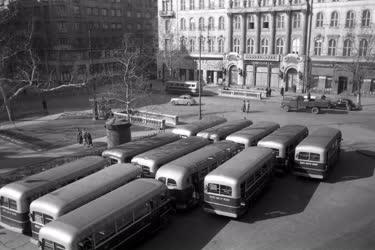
(195, 127)
(15, 198)
(317, 153)
(221, 131)
(283, 142)
(111, 221)
(63, 200)
(152, 160)
(184, 176)
(231, 187)
(182, 87)
(250, 136)
(125, 152)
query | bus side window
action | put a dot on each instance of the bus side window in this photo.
(243, 192)
(85, 244)
(104, 232)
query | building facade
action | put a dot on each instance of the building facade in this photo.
(255, 43)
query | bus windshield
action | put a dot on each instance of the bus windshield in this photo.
(308, 156)
(219, 189)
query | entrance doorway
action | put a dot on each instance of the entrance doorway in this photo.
(343, 84)
(233, 75)
(210, 77)
(292, 80)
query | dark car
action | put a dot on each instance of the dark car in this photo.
(344, 104)
(298, 103)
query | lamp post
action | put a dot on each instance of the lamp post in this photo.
(200, 76)
(95, 108)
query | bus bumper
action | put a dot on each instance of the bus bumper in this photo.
(232, 212)
(311, 173)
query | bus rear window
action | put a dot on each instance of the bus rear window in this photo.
(171, 182)
(162, 180)
(314, 157)
(219, 189)
(303, 156)
(9, 203)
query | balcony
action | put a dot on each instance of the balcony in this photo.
(166, 13)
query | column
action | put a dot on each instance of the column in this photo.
(273, 32)
(196, 75)
(304, 32)
(204, 76)
(243, 34)
(269, 71)
(215, 77)
(186, 74)
(254, 74)
(229, 33)
(257, 32)
(288, 23)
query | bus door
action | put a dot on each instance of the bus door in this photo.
(195, 181)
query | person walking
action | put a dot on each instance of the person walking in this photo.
(89, 139)
(79, 136)
(85, 137)
(243, 106)
(282, 92)
(248, 106)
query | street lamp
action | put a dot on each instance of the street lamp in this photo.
(201, 28)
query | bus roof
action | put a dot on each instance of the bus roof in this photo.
(193, 128)
(246, 162)
(50, 176)
(225, 128)
(66, 198)
(67, 227)
(131, 149)
(169, 152)
(254, 130)
(319, 138)
(283, 135)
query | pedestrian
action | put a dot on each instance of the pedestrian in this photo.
(89, 139)
(79, 136)
(269, 94)
(282, 92)
(248, 106)
(308, 96)
(44, 105)
(243, 106)
(85, 137)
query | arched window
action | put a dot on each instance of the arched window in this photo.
(347, 51)
(192, 45)
(236, 45)
(250, 3)
(201, 23)
(211, 4)
(201, 40)
(319, 20)
(334, 19)
(265, 2)
(281, 2)
(349, 21)
(182, 24)
(237, 22)
(318, 47)
(182, 43)
(191, 4)
(363, 44)
(236, 3)
(182, 5)
(191, 24)
(221, 23)
(221, 3)
(201, 4)
(250, 46)
(332, 47)
(265, 21)
(250, 22)
(264, 46)
(211, 23)
(295, 45)
(210, 45)
(280, 46)
(366, 16)
(280, 21)
(297, 21)
(220, 45)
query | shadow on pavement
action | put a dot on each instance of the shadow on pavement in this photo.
(351, 166)
(334, 111)
(187, 231)
(285, 196)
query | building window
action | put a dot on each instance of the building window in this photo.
(166, 5)
(183, 43)
(210, 45)
(237, 22)
(280, 21)
(113, 12)
(191, 24)
(295, 46)
(366, 18)
(211, 23)
(236, 3)
(250, 22)
(297, 21)
(347, 51)
(167, 26)
(89, 11)
(265, 2)
(201, 4)
(191, 5)
(349, 22)
(201, 43)
(281, 2)
(62, 27)
(220, 47)
(265, 22)
(264, 46)
(334, 19)
(318, 47)
(104, 12)
(280, 46)
(118, 12)
(332, 47)
(201, 23)
(221, 23)
(183, 5)
(236, 45)
(319, 20)
(183, 24)
(221, 3)
(363, 44)
(211, 4)
(250, 46)
(191, 45)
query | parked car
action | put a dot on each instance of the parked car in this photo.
(344, 104)
(297, 103)
(183, 100)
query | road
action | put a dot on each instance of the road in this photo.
(293, 213)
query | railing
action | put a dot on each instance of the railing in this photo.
(241, 93)
(166, 13)
(142, 120)
(169, 119)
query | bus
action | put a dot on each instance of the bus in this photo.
(152, 160)
(125, 152)
(182, 87)
(184, 176)
(317, 153)
(221, 131)
(193, 128)
(112, 221)
(63, 200)
(15, 198)
(250, 136)
(283, 142)
(231, 187)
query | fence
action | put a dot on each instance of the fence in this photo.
(169, 119)
(143, 120)
(241, 93)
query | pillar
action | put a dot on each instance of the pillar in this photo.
(269, 71)
(229, 33)
(254, 74)
(257, 32)
(243, 34)
(304, 32)
(273, 32)
(288, 23)
(215, 77)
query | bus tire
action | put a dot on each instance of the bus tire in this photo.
(315, 110)
(286, 108)
(173, 103)
(189, 103)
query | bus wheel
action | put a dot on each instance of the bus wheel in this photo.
(315, 110)
(189, 104)
(286, 108)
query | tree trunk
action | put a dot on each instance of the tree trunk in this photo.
(7, 104)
